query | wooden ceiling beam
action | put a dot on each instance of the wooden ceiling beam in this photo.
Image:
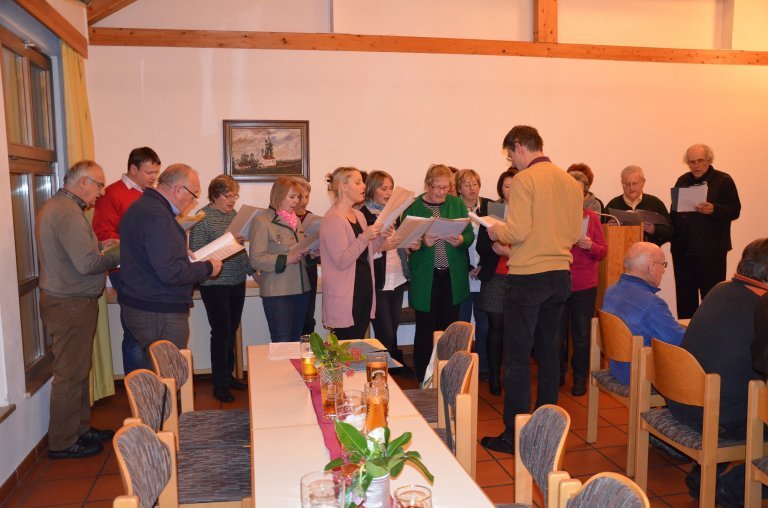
(398, 44)
(544, 20)
(100, 9)
(56, 23)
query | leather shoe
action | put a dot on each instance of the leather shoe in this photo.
(236, 384)
(79, 450)
(579, 387)
(223, 394)
(498, 444)
(93, 436)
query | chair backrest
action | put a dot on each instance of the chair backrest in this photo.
(152, 399)
(456, 337)
(603, 490)
(615, 338)
(540, 440)
(457, 407)
(677, 375)
(454, 378)
(146, 464)
(172, 362)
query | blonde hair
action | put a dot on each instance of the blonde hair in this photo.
(465, 174)
(339, 176)
(280, 190)
(437, 171)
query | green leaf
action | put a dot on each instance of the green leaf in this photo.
(334, 464)
(396, 469)
(316, 342)
(422, 467)
(333, 340)
(375, 470)
(398, 442)
(350, 438)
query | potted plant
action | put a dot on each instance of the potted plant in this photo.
(333, 360)
(378, 458)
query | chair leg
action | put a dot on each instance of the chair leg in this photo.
(592, 409)
(753, 489)
(632, 441)
(708, 484)
(641, 458)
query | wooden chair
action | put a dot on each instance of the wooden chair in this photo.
(151, 473)
(458, 336)
(457, 403)
(153, 399)
(678, 376)
(757, 456)
(603, 489)
(172, 362)
(611, 337)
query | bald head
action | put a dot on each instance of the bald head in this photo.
(646, 261)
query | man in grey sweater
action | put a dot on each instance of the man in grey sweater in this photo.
(72, 275)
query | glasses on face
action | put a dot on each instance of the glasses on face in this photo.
(662, 263)
(193, 194)
(99, 184)
(231, 196)
(440, 188)
(697, 162)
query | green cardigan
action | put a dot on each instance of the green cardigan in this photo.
(422, 261)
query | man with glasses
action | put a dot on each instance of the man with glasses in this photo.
(157, 274)
(634, 300)
(72, 269)
(142, 171)
(702, 238)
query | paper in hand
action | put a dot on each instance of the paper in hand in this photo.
(221, 248)
(241, 224)
(685, 199)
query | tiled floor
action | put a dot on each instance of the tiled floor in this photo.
(95, 481)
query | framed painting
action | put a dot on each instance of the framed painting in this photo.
(262, 150)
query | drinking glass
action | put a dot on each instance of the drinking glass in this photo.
(308, 368)
(376, 365)
(377, 400)
(413, 496)
(350, 408)
(322, 489)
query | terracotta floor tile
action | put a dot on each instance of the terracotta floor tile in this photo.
(482, 453)
(666, 480)
(574, 442)
(490, 427)
(617, 455)
(111, 466)
(486, 411)
(107, 487)
(18, 495)
(607, 401)
(98, 504)
(501, 493)
(71, 468)
(682, 501)
(58, 492)
(615, 415)
(587, 462)
(657, 502)
(490, 473)
(606, 436)
(508, 464)
(578, 414)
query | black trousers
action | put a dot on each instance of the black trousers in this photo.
(387, 320)
(577, 316)
(442, 312)
(224, 307)
(694, 277)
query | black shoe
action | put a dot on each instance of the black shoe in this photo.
(579, 387)
(93, 436)
(726, 499)
(79, 450)
(223, 394)
(498, 444)
(236, 384)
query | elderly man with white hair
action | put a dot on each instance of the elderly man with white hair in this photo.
(633, 299)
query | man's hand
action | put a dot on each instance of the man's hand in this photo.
(493, 231)
(109, 242)
(429, 240)
(649, 228)
(473, 273)
(585, 242)
(502, 249)
(294, 256)
(216, 263)
(705, 208)
(455, 240)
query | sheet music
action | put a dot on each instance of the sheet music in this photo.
(398, 202)
(626, 217)
(498, 210)
(241, 224)
(311, 224)
(221, 248)
(309, 242)
(443, 228)
(487, 221)
(584, 226)
(689, 197)
(284, 351)
(187, 221)
(411, 229)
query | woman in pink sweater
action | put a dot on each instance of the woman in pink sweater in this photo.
(347, 245)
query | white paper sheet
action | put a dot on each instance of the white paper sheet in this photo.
(284, 351)
(443, 228)
(241, 224)
(689, 197)
(221, 248)
(398, 202)
(487, 221)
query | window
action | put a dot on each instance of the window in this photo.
(27, 93)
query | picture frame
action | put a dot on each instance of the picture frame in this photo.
(262, 150)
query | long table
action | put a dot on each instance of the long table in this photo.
(286, 441)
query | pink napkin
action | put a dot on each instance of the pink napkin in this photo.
(326, 424)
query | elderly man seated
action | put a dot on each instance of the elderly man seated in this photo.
(633, 299)
(721, 336)
(633, 183)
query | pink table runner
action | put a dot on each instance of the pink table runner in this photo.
(326, 424)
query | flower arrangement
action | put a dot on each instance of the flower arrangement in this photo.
(376, 456)
(331, 353)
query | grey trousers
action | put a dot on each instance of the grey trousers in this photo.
(72, 322)
(148, 327)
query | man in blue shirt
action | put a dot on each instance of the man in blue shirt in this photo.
(633, 299)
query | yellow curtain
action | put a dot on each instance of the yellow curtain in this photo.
(79, 147)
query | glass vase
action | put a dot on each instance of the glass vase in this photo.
(331, 388)
(377, 494)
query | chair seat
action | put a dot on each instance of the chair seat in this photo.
(425, 402)
(219, 476)
(218, 428)
(663, 421)
(604, 493)
(607, 381)
(761, 464)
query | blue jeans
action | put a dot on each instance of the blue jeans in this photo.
(285, 315)
(133, 355)
(533, 307)
(466, 309)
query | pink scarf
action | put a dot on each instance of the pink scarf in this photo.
(290, 217)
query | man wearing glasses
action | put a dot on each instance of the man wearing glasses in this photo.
(702, 239)
(157, 274)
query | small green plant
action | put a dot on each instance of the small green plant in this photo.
(376, 456)
(330, 352)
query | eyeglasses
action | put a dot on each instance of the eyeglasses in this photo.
(193, 194)
(664, 263)
(231, 196)
(440, 187)
(99, 184)
(698, 162)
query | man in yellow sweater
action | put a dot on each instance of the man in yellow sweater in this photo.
(543, 222)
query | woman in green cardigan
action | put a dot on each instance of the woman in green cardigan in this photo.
(439, 267)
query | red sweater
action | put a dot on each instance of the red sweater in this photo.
(584, 267)
(110, 208)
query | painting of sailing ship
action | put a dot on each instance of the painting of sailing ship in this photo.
(262, 150)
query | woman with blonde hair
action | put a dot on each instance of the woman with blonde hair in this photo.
(283, 282)
(347, 245)
(439, 266)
